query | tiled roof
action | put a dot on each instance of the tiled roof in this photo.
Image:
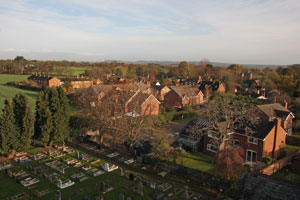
(186, 90)
(274, 110)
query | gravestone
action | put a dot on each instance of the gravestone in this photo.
(122, 197)
(77, 155)
(121, 172)
(128, 198)
(140, 188)
(102, 187)
(57, 195)
(131, 176)
(186, 193)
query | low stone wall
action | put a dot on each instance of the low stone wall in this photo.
(271, 169)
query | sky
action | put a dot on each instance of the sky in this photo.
(232, 31)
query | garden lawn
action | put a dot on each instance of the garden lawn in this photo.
(10, 91)
(288, 174)
(289, 149)
(196, 161)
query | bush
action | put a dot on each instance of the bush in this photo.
(293, 140)
(267, 160)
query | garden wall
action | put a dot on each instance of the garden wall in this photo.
(271, 169)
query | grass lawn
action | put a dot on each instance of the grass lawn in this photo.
(196, 161)
(9, 91)
(288, 174)
(289, 149)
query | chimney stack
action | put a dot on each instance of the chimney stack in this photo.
(285, 104)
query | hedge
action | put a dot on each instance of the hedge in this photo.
(293, 140)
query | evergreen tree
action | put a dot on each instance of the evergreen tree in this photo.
(57, 134)
(65, 107)
(24, 120)
(9, 132)
(43, 119)
(45, 126)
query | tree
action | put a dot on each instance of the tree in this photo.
(52, 116)
(10, 136)
(43, 123)
(24, 119)
(226, 114)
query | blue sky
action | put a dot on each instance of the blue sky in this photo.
(234, 31)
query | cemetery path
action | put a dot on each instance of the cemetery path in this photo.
(138, 170)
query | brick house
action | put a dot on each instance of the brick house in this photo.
(180, 96)
(45, 80)
(143, 104)
(78, 83)
(161, 90)
(192, 81)
(131, 103)
(208, 88)
(271, 112)
(267, 140)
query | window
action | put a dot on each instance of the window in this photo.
(252, 140)
(236, 143)
(212, 148)
(251, 156)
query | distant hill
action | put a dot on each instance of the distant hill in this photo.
(197, 63)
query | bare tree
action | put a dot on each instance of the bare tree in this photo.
(225, 115)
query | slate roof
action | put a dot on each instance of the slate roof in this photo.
(261, 130)
(186, 91)
(40, 78)
(274, 110)
(214, 85)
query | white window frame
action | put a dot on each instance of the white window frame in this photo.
(210, 149)
(236, 145)
(255, 140)
(249, 150)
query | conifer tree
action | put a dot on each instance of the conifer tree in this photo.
(43, 119)
(24, 120)
(9, 132)
(65, 108)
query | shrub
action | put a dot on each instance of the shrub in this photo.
(293, 140)
(267, 160)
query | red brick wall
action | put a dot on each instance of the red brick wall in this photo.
(258, 148)
(54, 82)
(172, 99)
(150, 107)
(81, 84)
(164, 91)
(207, 140)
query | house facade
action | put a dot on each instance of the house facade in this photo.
(45, 80)
(78, 83)
(267, 140)
(180, 96)
(161, 90)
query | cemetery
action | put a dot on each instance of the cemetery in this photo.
(50, 173)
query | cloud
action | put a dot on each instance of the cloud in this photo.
(253, 31)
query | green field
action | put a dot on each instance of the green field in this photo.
(9, 91)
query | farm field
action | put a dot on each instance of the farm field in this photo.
(9, 91)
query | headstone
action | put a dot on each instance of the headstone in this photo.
(102, 187)
(122, 197)
(140, 188)
(186, 194)
(106, 167)
(57, 195)
(59, 183)
(121, 171)
(131, 176)
(128, 198)
(77, 155)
